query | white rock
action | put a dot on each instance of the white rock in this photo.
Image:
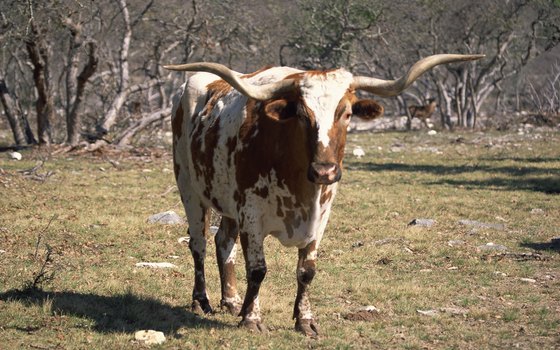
(492, 247)
(537, 211)
(167, 217)
(370, 308)
(160, 265)
(2, 251)
(213, 230)
(358, 152)
(15, 155)
(184, 240)
(150, 337)
(428, 312)
(528, 280)
(432, 132)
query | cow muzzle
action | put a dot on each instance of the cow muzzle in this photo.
(324, 173)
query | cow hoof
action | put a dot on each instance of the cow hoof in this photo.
(254, 326)
(201, 307)
(307, 327)
(232, 307)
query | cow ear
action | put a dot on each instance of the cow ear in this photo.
(367, 109)
(280, 109)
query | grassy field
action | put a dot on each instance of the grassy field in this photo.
(435, 287)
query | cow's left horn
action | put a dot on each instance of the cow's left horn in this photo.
(386, 88)
(258, 92)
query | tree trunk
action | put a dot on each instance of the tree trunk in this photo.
(73, 119)
(36, 48)
(9, 111)
(111, 117)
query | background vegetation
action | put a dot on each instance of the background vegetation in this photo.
(91, 70)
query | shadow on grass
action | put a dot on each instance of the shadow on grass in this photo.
(553, 246)
(519, 181)
(119, 313)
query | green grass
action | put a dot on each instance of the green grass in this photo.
(98, 298)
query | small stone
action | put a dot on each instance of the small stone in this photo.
(366, 313)
(150, 337)
(385, 241)
(358, 152)
(184, 240)
(2, 251)
(384, 261)
(370, 308)
(492, 246)
(422, 222)
(160, 265)
(173, 257)
(432, 132)
(15, 155)
(213, 230)
(537, 211)
(431, 313)
(454, 311)
(528, 280)
(499, 273)
(455, 242)
(357, 244)
(479, 224)
(167, 217)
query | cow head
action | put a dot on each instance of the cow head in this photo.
(323, 103)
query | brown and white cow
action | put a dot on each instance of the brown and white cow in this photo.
(265, 151)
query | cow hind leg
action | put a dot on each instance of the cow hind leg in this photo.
(305, 322)
(198, 218)
(226, 251)
(255, 266)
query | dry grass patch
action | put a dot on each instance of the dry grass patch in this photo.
(434, 286)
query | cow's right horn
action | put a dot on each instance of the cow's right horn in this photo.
(257, 92)
(386, 88)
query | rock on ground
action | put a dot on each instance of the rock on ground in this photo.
(479, 224)
(160, 265)
(150, 337)
(422, 222)
(167, 217)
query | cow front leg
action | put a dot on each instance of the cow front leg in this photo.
(226, 251)
(255, 266)
(198, 230)
(305, 323)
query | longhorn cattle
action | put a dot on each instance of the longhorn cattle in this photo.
(423, 112)
(265, 151)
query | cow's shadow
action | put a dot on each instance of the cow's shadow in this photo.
(118, 313)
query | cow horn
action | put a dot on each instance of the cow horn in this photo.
(257, 92)
(387, 88)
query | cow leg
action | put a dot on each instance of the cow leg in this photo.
(425, 121)
(226, 250)
(198, 218)
(255, 266)
(305, 322)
